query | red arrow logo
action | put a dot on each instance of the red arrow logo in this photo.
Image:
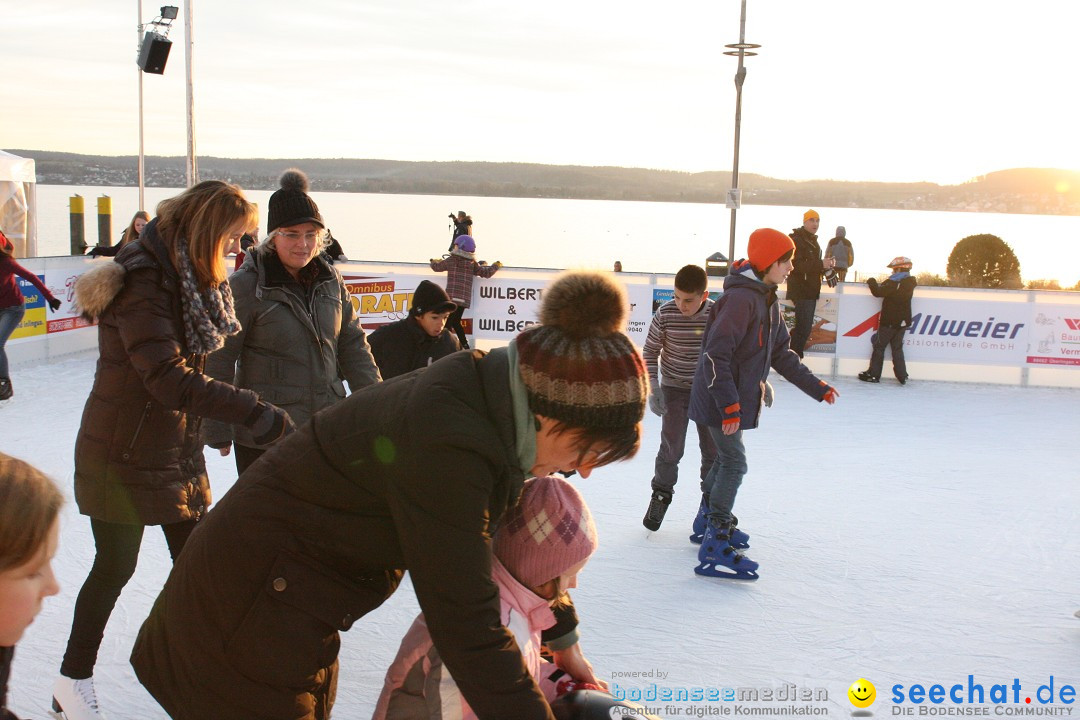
(870, 323)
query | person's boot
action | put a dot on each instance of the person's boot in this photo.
(75, 700)
(701, 520)
(5, 388)
(717, 556)
(658, 506)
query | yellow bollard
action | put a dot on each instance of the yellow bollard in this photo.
(104, 221)
(78, 229)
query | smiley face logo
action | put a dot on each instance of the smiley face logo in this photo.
(862, 693)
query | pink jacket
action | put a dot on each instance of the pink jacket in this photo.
(460, 268)
(418, 686)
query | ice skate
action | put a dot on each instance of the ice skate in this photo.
(739, 539)
(865, 376)
(658, 506)
(717, 558)
(75, 700)
(701, 521)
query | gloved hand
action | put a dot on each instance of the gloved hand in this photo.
(268, 423)
(497, 264)
(830, 395)
(831, 278)
(657, 403)
(569, 685)
(769, 394)
(54, 304)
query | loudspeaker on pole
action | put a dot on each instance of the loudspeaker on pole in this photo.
(154, 53)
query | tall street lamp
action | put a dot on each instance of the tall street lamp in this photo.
(740, 50)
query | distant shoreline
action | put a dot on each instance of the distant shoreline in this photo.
(1035, 191)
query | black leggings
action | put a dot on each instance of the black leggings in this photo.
(454, 323)
(114, 564)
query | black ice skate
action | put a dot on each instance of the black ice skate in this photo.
(658, 506)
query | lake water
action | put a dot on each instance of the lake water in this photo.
(645, 236)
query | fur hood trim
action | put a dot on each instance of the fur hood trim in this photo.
(96, 288)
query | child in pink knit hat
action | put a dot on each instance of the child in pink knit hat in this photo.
(541, 546)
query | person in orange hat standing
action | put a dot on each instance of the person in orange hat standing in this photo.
(895, 320)
(745, 336)
(804, 283)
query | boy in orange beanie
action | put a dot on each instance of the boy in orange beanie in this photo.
(745, 336)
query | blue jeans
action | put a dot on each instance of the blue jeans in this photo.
(804, 323)
(723, 481)
(10, 317)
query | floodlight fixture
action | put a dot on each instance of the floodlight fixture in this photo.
(168, 12)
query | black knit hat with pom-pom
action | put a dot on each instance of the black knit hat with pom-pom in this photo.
(291, 205)
(577, 364)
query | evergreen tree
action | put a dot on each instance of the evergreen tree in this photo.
(983, 261)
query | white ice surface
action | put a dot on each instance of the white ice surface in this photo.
(906, 535)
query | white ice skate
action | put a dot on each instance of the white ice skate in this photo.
(75, 700)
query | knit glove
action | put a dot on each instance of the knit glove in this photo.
(268, 423)
(831, 278)
(656, 398)
(54, 304)
(497, 264)
(731, 419)
(830, 395)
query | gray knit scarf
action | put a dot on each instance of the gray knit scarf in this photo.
(208, 314)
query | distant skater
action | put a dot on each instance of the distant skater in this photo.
(12, 305)
(804, 283)
(895, 320)
(462, 226)
(461, 266)
(840, 250)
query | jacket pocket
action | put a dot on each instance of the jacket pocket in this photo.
(290, 632)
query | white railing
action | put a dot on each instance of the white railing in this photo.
(1023, 337)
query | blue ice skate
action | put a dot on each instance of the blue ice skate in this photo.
(717, 557)
(739, 538)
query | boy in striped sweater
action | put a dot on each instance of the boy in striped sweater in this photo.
(671, 353)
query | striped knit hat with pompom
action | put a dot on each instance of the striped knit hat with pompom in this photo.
(577, 364)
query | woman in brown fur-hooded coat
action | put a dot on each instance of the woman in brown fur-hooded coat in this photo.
(162, 305)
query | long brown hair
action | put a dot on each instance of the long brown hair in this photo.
(130, 234)
(29, 504)
(202, 216)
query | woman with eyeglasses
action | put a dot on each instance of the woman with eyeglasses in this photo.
(299, 335)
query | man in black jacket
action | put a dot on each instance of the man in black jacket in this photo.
(895, 320)
(418, 340)
(804, 282)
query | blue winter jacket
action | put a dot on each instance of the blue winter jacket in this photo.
(744, 335)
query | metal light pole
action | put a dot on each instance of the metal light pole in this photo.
(740, 49)
(142, 162)
(192, 163)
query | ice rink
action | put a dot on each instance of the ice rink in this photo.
(911, 535)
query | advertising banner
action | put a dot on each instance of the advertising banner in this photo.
(1055, 335)
(942, 330)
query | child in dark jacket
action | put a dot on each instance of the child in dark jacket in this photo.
(745, 335)
(895, 320)
(461, 267)
(418, 340)
(29, 529)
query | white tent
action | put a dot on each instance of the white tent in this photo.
(18, 203)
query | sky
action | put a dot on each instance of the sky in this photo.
(935, 90)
